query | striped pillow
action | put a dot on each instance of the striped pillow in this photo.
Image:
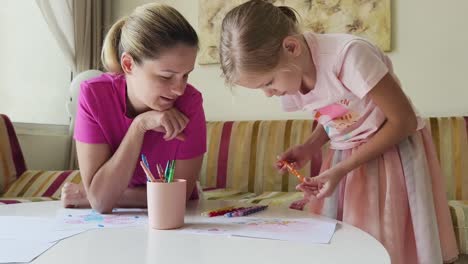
(449, 135)
(42, 183)
(241, 155)
(12, 163)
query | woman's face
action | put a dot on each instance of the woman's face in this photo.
(156, 84)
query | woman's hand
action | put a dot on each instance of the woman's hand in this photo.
(171, 122)
(74, 196)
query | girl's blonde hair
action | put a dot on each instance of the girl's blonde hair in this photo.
(145, 34)
(252, 36)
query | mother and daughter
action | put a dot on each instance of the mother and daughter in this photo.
(380, 173)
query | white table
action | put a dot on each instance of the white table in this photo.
(143, 245)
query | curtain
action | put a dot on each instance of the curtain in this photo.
(79, 27)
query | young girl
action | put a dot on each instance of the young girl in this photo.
(143, 106)
(381, 171)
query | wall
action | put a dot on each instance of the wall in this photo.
(34, 76)
(429, 56)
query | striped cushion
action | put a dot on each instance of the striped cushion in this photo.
(450, 139)
(459, 211)
(241, 155)
(42, 183)
(271, 198)
(11, 158)
(14, 200)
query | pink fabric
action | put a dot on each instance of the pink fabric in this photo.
(397, 198)
(101, 119)
(347, 69)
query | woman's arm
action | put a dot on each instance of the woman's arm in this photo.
(106, 177)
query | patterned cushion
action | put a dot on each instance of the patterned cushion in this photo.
(41, 183)
(11, 158)
(241, 155)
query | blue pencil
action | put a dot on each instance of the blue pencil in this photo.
(143, 158)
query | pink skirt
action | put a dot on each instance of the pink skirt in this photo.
(398, 198)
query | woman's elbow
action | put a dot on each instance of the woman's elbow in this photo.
(99, 204)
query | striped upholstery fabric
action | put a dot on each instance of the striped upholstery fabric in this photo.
(459, 212)
(239, 163)
(450, 139)
(241, 153)
(12, 162)
(25, 200)
(41, 184)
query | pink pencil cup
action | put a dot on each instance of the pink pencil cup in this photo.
(166, 204)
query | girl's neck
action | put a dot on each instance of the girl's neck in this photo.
(308, 68)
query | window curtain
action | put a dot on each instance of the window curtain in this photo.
(79, 27)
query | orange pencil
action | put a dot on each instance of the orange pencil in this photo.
(291, 169)
(147, 172)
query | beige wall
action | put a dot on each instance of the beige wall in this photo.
(429, 55)
(34, 77)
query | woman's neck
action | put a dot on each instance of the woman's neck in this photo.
(134, 107)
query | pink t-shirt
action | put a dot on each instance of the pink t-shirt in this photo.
(347, 67)
(101, 119)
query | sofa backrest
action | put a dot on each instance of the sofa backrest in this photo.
(449, 135)
(241, 154)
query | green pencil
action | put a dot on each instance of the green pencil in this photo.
(171, 173)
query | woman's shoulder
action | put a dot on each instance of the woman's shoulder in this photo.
(102, 86)
(103, 82)
(191, 101)
(191, 95)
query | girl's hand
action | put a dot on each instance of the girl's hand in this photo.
(297, 156)
(74, 196)
(171, 122)
(322, 185)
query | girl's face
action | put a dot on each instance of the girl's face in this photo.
(157, 83)
(288, 77)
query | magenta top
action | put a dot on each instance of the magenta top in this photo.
(101, 119)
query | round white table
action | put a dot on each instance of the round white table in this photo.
(143, 245)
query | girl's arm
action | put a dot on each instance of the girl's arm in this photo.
(189, 170)
(400, 123)
(318, 137)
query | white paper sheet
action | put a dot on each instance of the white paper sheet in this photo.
(32, 229)
(14, 251)
(69, 219)
(305, 230)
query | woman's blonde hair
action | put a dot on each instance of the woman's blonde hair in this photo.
(252, 36)
(145, 34)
